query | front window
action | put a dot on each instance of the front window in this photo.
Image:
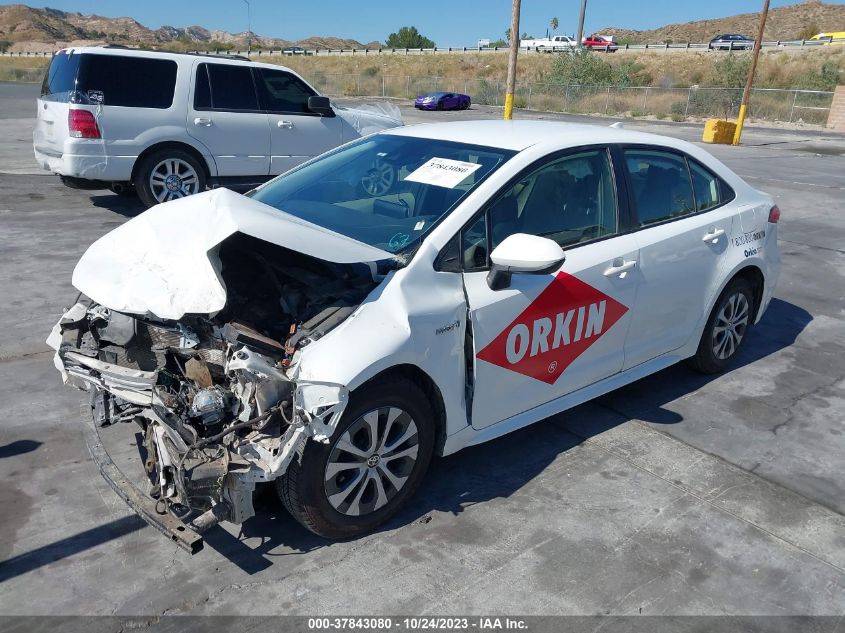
(386, 190)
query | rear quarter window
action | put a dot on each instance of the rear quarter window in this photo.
(60, 78)
(136, 82)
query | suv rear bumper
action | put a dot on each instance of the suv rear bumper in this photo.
(86, 167)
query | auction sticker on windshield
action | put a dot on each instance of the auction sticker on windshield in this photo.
(442, 172)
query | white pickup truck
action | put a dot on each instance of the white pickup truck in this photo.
(549, 43)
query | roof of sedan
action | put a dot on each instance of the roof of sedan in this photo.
(519, 135)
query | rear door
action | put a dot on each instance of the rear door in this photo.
(224, 115)
(682, 234)
(547, 335)
(296, 134)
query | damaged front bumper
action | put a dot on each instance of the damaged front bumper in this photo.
(231, 419)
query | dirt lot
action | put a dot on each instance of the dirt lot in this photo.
(679, 494)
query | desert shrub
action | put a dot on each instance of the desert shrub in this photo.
(630, 73)
(580, 67)
(731, 71)
(371, 71)
(659, 115)
(827, 77)
(677, 117)
(808, 31)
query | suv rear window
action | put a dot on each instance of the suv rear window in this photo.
(138, 82)
(113, 80)
(60, 78)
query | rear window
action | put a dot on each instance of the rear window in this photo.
(60, 78)
(138, 82)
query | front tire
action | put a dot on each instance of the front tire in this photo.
(373, 463)
(727, 328)
(168, 174)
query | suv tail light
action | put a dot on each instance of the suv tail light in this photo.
(774, 214)
(82, 124)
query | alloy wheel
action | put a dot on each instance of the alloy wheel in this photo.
(731, 324)
(379, 179)
(173, 178)
(371, 461)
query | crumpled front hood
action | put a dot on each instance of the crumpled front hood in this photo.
(159, 262)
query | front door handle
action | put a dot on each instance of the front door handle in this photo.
(619, 267)
(287, 125)
(713, 235)
(203, 121)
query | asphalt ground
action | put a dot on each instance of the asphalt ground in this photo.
(679, 494)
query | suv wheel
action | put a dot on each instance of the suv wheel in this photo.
(726, 329)
(168, 174)
(373, 463)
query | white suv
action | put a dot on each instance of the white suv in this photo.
(168, 124)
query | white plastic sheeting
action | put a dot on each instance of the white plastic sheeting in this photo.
(162, 263)
(369, 118)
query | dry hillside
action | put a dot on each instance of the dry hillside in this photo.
(783, 23)
(29, 29)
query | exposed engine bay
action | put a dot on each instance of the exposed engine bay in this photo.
(216, 395)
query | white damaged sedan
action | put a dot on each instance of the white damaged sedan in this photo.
(409, 294)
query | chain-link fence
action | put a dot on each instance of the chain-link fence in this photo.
(679, 104)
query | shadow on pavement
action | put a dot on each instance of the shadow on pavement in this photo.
(127, 206)
(18, 447)
(41, 556)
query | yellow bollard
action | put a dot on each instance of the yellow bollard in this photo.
(739, 121)
(718, 131)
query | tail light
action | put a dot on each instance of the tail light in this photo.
(774, 214)
(82, 124)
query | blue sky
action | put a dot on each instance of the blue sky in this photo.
(447, 22)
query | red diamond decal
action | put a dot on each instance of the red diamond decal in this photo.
(555, 329)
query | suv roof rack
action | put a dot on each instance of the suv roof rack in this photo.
(220, 55)
(199, 53)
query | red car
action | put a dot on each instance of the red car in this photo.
(600, 43)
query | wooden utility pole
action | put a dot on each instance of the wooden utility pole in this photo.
(750, 80)
(511, 84)
(581, 23)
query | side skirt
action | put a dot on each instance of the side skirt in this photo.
(471, 437)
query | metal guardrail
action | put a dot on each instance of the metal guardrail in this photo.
(772, 104)
(802, 44)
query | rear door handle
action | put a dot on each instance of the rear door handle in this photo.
(619, 267)
(288, 125)
(203, 121)
(713, 235)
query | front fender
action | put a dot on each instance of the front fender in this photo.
(412, 319)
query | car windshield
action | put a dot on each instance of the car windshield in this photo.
(386, 190)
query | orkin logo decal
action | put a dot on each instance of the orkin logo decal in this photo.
(555, 329)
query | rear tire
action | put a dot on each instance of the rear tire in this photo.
(726, 329)
(168, 174)
(372, 465)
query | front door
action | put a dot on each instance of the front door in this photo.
(547, 335)
(296, 134)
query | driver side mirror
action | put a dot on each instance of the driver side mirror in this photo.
(320, 105)
(523, 253)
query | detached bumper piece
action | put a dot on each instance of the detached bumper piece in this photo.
(186, 536)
